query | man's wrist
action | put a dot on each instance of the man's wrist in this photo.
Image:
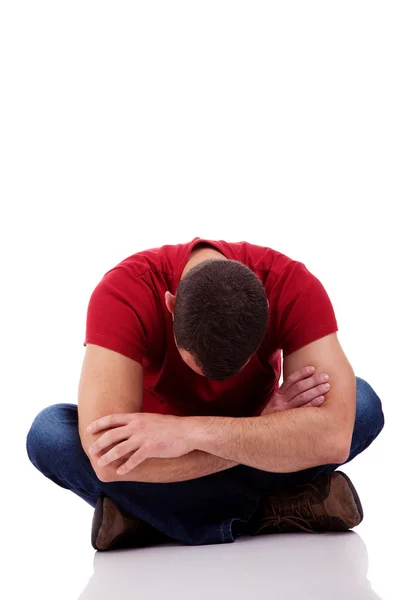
(206, 432)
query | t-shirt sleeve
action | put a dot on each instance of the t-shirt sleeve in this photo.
(120, 314)
(303, 309)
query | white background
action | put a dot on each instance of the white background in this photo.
(128, 125)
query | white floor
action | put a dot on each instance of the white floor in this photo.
(50, 556)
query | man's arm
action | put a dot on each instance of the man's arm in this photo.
(287, 441)
(168, 470)
(112, 383)
(109, 382)
(296, 439)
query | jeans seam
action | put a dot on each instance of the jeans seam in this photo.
(226, 531)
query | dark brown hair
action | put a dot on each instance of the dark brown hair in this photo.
(220, 317)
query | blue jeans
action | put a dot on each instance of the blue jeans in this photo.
(207, 510)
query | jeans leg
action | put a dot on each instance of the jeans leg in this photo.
(370, 419)
(199, 511)
(52, 447)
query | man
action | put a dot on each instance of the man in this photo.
(182, 431)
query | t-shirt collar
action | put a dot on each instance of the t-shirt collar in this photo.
(218, 245)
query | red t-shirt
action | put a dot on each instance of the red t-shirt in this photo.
(127, 314)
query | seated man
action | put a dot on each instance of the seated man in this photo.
(181, 430)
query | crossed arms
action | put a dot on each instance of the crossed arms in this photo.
(286, 441)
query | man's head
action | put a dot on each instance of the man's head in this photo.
(220, 316)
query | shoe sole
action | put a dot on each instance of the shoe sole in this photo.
(97, 521)
(355, 494)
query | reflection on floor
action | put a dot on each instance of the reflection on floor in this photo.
(300, 566)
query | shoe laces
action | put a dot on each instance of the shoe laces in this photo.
(300, 516)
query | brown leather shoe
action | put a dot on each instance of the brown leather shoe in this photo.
(330, 503)
(113, 529)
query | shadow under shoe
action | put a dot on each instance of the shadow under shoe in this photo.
(330, 503)
(113, 529)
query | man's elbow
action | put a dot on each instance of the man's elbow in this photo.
(338, 438)
(104, 474)
(338, 451)
(108, 474)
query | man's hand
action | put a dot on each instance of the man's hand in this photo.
(146, 435)
(301, 388)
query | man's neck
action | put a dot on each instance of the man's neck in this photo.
(200, 255)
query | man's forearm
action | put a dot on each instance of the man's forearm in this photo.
(168, 470)
(281, 442)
